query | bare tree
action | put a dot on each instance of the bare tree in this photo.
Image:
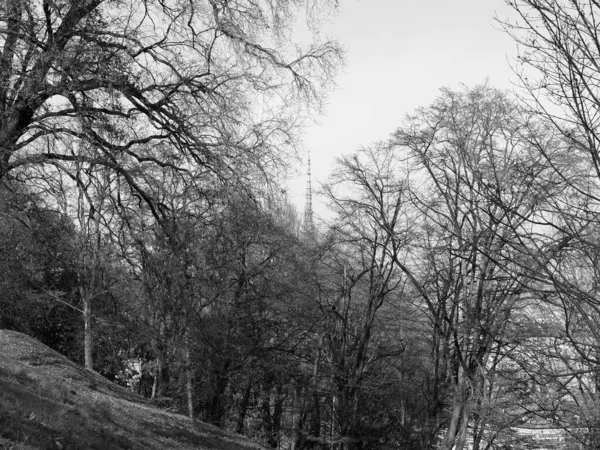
(559, 68)
(175, 85)
(472, 171)
(558, 65)
(369, 203)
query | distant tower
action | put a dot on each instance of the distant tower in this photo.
(308, 211)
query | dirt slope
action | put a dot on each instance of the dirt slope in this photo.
(47, 402)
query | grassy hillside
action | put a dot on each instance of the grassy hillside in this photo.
(47, 402)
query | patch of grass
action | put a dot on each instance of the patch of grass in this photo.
(108, 439)
(5, 444)
(49, 403)
(195, 438)
(103, 413)
(46, 388)
(52, 426)
(23, 377)
(45, 359)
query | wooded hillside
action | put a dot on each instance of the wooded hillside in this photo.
(449, 299)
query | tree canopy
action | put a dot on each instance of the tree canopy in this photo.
(192, 87)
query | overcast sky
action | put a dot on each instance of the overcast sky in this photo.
(399, 54)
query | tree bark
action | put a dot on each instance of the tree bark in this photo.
(244, 408)
(88, 339)
(189, 376)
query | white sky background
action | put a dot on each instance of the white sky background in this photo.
(399, 54)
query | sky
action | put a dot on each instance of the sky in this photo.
(399, 53)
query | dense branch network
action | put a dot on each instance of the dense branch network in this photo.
(173, 85)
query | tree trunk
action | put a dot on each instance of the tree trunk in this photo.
(315, 422)
(86, 296)
(462, 435)
(458, 413)
(244, 408)
(217, 405)
(456, 435)
(88, 270)
(278, 413)
(161, 377)
(161, 372)
(452, 427)
(189, 387)
(296, 417)
(155, 382)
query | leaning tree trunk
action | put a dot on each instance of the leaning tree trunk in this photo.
(459, 419)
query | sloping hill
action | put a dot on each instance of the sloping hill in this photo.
(48, 402)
